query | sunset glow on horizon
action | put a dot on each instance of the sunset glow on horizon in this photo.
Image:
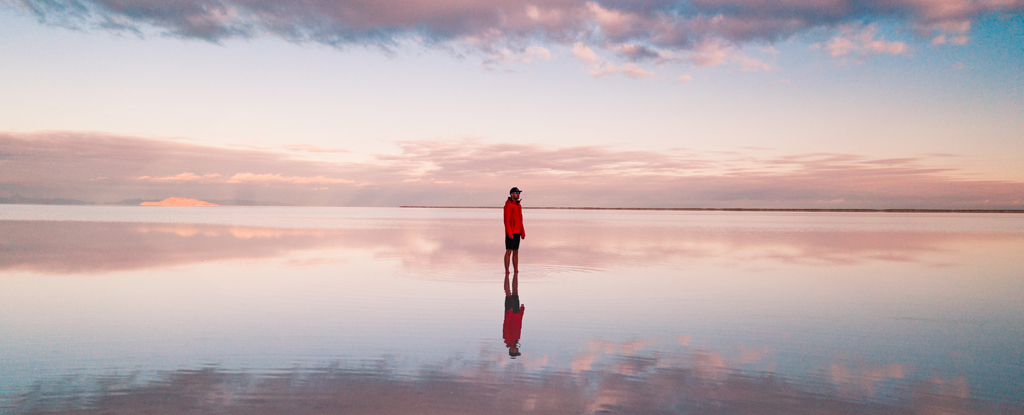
(704, 103)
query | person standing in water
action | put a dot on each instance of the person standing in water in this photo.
(514, 230)
(512, 327)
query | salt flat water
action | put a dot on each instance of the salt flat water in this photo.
(126, 309)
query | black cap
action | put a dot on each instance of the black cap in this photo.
(515, 190)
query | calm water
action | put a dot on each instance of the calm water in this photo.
(379, 310)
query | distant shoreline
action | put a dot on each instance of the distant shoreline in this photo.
(741, 209)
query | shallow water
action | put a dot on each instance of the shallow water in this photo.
(387, 310)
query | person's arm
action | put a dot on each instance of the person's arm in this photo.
(521, 224)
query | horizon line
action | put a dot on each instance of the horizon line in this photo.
(738, 209)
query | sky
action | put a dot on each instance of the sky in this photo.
(646, 103)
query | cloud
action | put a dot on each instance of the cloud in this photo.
(679, 178)
(525, 55)
(583, 53)
(638, 52)
(715, 52)
(181, 177)
(467, 172)
(943, 39)
(533, 52)
(245, 177)
(314, 149)
(638, 30)
(600, 68)
(277, 178)
(953, 30)
(860, 42)
(629, 69)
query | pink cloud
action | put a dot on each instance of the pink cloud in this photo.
(314, 149)
(600, 68)
(277, 178)
(246, 177)
(181, 177)
(715, 52)
(860, 42)
(629, 69)
(583, 53)
(467, 172)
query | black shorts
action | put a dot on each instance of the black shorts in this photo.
(512, 303)
(513, 242)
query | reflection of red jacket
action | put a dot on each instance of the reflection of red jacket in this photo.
(513, 326)
(513, 217)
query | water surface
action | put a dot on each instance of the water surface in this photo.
(381, 310)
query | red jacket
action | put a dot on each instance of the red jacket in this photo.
(513, 217)
(513, 326)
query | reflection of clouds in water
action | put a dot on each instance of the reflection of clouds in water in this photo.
(89, 247)
(708, 365)
(238, 232)
(631, 383)
(863, 379)
(597, 349)
(752, 354)
(468, 249)
(955, 386)
(582, 362)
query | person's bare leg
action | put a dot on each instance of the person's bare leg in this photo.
(507, 291)
(515, 284)
(515, 261)
(508, 253)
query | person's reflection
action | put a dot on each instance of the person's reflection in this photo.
(513, 324)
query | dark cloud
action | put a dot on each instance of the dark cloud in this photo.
(103, 168)
(490, 25)
(638, 53)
